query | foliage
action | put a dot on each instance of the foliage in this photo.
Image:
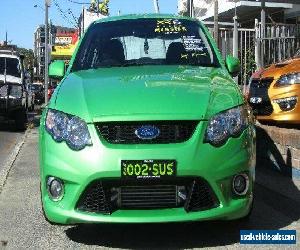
(103, 7)
(250, 62)
(29, 57)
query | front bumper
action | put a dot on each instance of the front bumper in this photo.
(102, 160)
(6, 109)
(236, 209)
(278, 114)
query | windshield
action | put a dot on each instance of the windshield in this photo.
(145, 42)
(12, 66)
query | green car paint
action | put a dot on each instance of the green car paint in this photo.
(146, 93)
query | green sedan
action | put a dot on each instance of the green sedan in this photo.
(146, 125)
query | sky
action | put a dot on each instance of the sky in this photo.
(20, 18)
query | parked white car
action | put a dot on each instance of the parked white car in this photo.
(13, 91)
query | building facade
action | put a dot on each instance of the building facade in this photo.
(57, 35)
(39, 50)
(65, 43)
(279, 11)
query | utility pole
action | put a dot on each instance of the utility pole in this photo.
(262, 31)
(6, 41)
(191, 10)
(235, 33)
(216, 22)
(46, 78)
(188, 4)
(156, 6)
(257, 45)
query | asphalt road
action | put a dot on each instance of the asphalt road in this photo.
(22, 224)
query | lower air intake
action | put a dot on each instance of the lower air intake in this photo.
(107, 196)
(147, 197)
(94, 200)
(200, 197)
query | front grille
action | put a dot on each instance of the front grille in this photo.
(259, 89)
(262, 109)
(125, 132)
(151, 196)
(107, 196)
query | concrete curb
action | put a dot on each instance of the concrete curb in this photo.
(10, 160)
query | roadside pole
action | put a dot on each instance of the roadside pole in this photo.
(156, 6)
(262, 32)
(191, 10)
(257, 45)
(216, 22)
(235, 33)
(235, 37)
(235, 44)
(46, 78)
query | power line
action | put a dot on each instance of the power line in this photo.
(63, 15)
(72, 1)
(73, 16)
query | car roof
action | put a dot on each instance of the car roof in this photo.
(142, 16)
(9, 54)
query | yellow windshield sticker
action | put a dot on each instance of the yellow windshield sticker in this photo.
(184, 56)
(198, 54)
(169, 26)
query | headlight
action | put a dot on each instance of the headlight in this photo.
(287, 103)
(288, 79)
(3, 91)
(68, 128)
(229, 123)
(16, 91)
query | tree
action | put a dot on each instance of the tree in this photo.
(28, 59)
(200, 7)
(102, 7)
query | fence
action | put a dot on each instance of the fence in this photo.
(246, 42)
(279, 42)
(259, 49)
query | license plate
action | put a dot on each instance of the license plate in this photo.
(255, 100)
(148, 169)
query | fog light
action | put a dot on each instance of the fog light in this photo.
(55, 188)
(240, 184)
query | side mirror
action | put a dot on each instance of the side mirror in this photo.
(57, 69)
(233, 65)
